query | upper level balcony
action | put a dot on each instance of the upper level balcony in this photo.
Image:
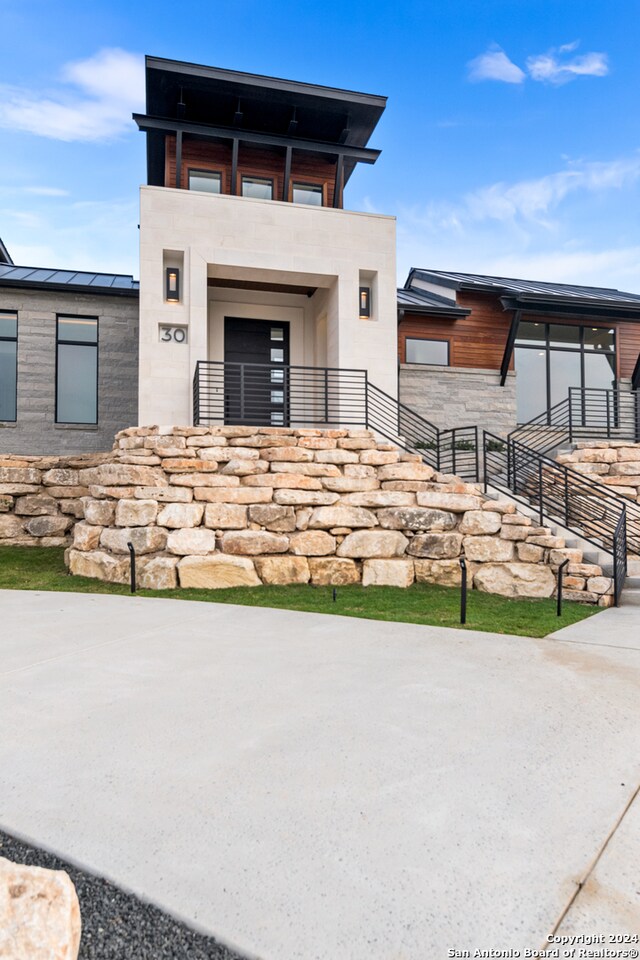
(220, 131)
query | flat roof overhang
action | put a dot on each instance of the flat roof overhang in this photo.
(227, 104)
(603, 310)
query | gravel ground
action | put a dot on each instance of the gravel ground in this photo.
(116, 925)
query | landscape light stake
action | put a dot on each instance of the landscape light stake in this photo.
(559, 587)
(463, 591)
(335, 594)
(132, 554)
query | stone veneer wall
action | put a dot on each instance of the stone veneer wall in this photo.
(459, 396)
(231, 506)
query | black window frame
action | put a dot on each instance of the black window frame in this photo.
(418, 363)
(78, 343)
(12, 313)
(545, 346)
(256, 176)
(211, 173)
(313, 187)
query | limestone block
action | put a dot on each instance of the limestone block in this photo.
(157, 573)
(136, 513)
(627, 453)
(308, 469)
(602, 456)
(216, 572)
(515, 532)
(350, 484)
(230, 432)
(170, 494)
(179, 515)
(48, 526)
(387, 573)
(100, 492)
(487, 549)
(513, 519)
(254, 542)
(302, 518)
(477, 522)
(436, 546)
(161, 443)
(194, 540)
(189, 465)
(585, 570)
(312, 543)
(122, 474)
(454, 502)
(144, 461)
(290, 454)
(415, 518)
(318, 443)
(332, 571)
(378, 458)
(224, 454)
(283, 570)
(310, 498)
(357, 443)
(557, 557)
(379, 498)
(574, 583)
(273, 517)
(625, 468)
(144, 539)
(244, 468)
(203, 480)
(60, 478)
(341, 516)
(99, 566)
(234, 494)
(410, 486)
(529, 553)
(100, 512)
(22, 475)
(64, 493)
(206, 442)
(336, 456)
(600, 585)
(502, 506)
(286, 481)
(406, 471)
(35, 505)
(225, 516)
(446, 573)
(373, 543)
(86, 536)
(607, 600)
(263, 441)
(39, 913)
(18, 488)
(551, 543)
(515, 579)
(581, 596)
(6, 504)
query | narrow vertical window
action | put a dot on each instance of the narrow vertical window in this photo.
(77, 370)
(8, 364)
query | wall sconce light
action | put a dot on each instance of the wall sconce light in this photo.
(172, 293)
(365, 303)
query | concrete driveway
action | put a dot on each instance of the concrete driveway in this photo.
(305, 786)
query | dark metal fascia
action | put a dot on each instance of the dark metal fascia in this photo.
(72, 288)
(204, 130)
(508, 350)
(568, 308)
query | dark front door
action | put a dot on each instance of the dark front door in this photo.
(256, 353)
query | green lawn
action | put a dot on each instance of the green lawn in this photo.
(38, 568)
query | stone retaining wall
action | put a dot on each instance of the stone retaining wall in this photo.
(231, 506)
(615, 463)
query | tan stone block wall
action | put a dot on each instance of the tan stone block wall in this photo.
(242, 506)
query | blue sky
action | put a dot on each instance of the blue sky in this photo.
(510, 143)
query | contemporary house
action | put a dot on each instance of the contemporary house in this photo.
(247, 255)
(499, 351)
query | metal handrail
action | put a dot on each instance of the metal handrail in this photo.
(328, 396)
(572, 499)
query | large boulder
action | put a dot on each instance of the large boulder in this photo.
(48, 526)
(333, 571)
(157, 573)
(191, 540)
(39, 913)
(453, 502)
(254, 542)
(487, 549)
(282, 570)
(217, 572)
(225, 516)
(36, 505)
(100, 512)
(312, 543)
(144, 539)
(273, 517)
(387, 573)
(341, 516)
(136, 513)
(179, 515)
(515, 579)
(436, 546)
(415, 518)
(478, 522)
(373, 543)
(99, 565)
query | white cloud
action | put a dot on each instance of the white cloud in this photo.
(495, 65)
(46, 191)
(94, 102)
(550, 68)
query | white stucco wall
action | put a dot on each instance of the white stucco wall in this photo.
(261, 241)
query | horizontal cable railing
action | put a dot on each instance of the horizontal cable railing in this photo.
(288, 395)
(559, 493)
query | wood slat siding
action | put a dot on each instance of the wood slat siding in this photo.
(204, 155)
(479, 339)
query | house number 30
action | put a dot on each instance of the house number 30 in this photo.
(173, 334)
